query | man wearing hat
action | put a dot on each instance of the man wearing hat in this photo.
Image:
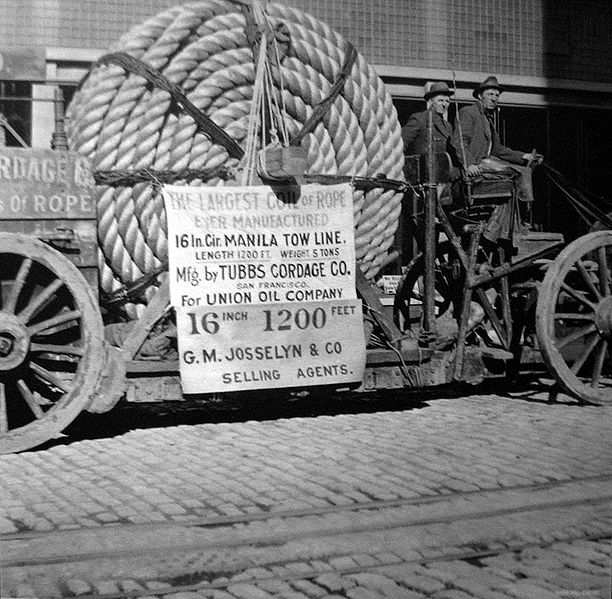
(475, 136)
(482, 153)
(414, 133)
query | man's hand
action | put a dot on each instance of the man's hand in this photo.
(473, 170)
(533, 158)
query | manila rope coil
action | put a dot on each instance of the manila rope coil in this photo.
(202, 52)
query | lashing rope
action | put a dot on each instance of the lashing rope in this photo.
(204, 124)
(256, 116)
(322, 107)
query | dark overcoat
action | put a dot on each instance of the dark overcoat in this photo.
(415, 137)
(480, 139)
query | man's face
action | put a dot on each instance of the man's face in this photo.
(440, 104)
(489, 98)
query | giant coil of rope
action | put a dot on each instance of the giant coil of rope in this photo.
(121, 122)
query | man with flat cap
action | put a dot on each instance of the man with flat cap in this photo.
(481, 151)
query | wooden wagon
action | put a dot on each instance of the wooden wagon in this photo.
(463, 309)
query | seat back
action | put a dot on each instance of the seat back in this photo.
(415, 168)
(475, 199)
(487, 189)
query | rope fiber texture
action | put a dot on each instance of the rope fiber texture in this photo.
(123, 122)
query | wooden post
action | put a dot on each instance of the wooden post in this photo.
(466, 305)
(429, 250)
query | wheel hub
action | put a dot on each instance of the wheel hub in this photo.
(603, 317)
(14, 342)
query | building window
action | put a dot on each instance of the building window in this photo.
(16, 108)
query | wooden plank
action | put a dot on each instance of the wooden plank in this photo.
(143, 326)
(371, 297)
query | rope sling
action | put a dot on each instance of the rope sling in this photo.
(183, 98)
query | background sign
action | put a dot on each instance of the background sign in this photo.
(263, 283)
(45, 184)
(22, 64)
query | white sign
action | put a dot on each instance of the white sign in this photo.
(259, 245)
(263, 282)
(275, 345)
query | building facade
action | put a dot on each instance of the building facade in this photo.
(553, 58)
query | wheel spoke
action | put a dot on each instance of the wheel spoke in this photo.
(63, 350)
(29, 398)
(583, 332)
(578, 296)
(22, 274)
(416, 296)
(49, 376)
(599, 362)
(501, 328)
(573, 316)
(3, 416)
(604, 271)
(588, 279)
(37, 303)
(45, 325)
(579, 363)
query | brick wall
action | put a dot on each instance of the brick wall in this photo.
(566, 39)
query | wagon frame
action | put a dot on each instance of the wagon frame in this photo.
(57, 358)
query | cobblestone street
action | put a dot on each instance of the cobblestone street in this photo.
(477, 497)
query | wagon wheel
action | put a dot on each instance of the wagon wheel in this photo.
(488, 325)
(408, 302)
(574, 318)
(51, 342)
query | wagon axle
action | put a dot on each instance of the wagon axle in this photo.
(6, 345)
